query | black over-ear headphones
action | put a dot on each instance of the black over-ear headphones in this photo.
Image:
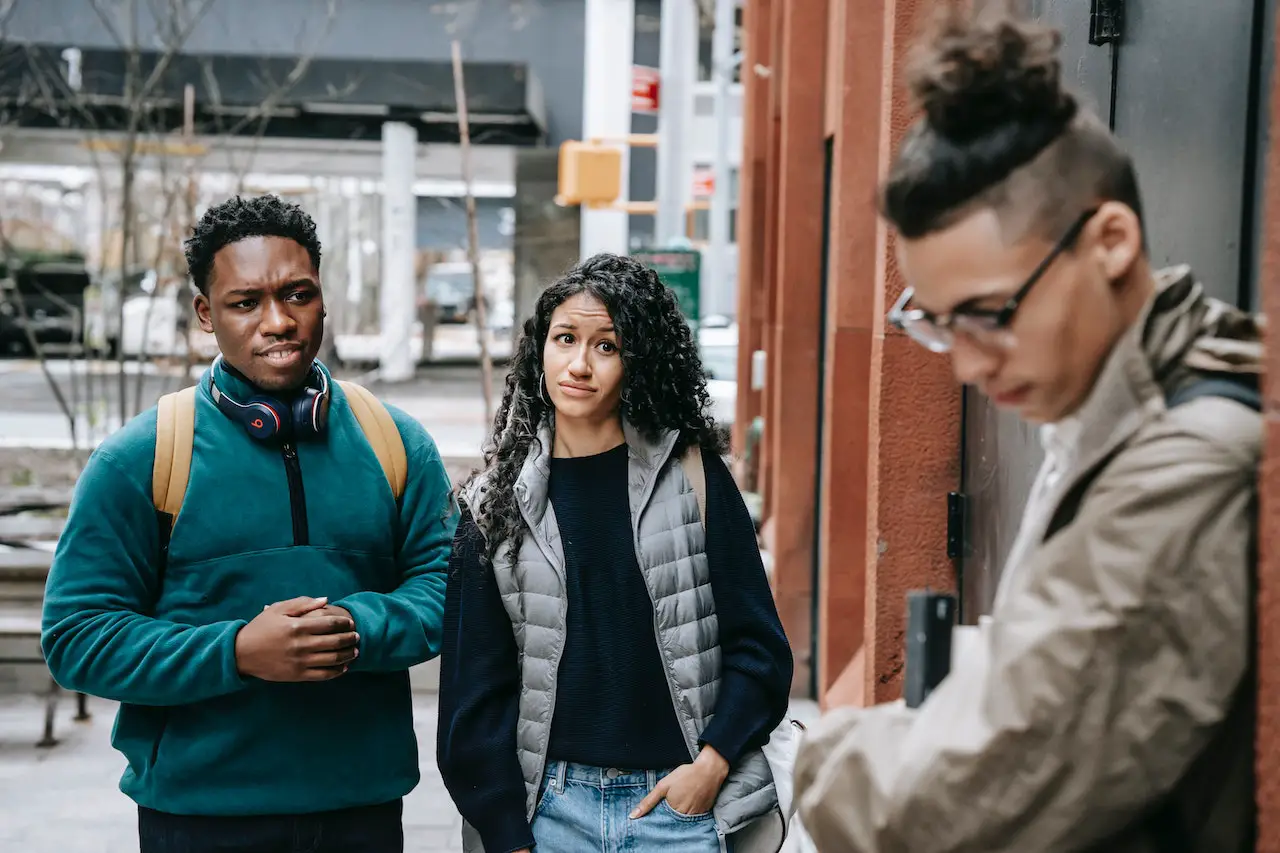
(265, 417)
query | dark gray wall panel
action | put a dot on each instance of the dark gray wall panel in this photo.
(1086, 68)
(1183, 98)
(1182, 110)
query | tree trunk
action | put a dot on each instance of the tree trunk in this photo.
(473, 237)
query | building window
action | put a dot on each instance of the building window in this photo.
(698, 222)
(699, 225)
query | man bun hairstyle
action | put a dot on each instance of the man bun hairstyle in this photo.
(979, 80)
(998, 129)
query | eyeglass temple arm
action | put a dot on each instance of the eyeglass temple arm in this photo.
(899, 307)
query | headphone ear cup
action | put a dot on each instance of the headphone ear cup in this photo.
(322, 413)
(308, 419)
(262, 420)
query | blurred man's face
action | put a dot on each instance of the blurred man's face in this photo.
(266, 310)
(1043, 364)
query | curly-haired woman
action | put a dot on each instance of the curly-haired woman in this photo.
(611, 665)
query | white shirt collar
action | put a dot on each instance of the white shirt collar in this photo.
(1061, 440)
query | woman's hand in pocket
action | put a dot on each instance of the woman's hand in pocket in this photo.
(690, 789)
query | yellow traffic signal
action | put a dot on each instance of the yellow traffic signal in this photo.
(590, 174)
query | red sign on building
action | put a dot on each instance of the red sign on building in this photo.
(645, 85)
(704, 182)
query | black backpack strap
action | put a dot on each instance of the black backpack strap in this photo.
(1241, 388)
(1166, 826)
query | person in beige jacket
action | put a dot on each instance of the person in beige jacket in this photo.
(1107, 705)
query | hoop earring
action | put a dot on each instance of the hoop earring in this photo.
(543, 396)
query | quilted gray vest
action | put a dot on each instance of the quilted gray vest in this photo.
(670, 548)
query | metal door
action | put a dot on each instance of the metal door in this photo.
(1184, 109)
(1181, 91)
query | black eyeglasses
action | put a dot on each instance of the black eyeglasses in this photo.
(986, 326)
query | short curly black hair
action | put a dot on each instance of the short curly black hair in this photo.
(238, 218)
(664, 387)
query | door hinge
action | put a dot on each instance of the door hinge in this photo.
(1106, 21)
(957, 525)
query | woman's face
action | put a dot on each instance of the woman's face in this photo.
(581, 360)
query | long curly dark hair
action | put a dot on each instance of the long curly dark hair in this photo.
(663, 384)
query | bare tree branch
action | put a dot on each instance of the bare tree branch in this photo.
(6, 12)
(109, 24)
(10, 257)
(473, 238)
(127, 140)
(264, 110)
(169, 192)
(180, 37)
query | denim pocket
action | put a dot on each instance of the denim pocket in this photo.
(547, 794)
(688, 818)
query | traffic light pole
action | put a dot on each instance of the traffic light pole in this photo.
(678, 59)
(634, 140)
(606, 111)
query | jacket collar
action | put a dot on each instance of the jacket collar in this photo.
(646, 457)
(645, 460)
(1180, 329)
(234, 383)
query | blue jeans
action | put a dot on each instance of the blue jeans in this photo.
(585, 810)
(370, 829)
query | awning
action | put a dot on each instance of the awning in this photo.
(46, 86)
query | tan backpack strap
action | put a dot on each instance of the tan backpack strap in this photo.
(175, 433)
(692, 462)
(381, 431)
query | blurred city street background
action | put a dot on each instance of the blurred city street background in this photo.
(459, 156)
(121, 121)
(445, 398)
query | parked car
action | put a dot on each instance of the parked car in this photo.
(452, 287)
(502, 318)
(52, 292)
(719, 348)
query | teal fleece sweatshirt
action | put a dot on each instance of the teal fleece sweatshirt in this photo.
(199, 738)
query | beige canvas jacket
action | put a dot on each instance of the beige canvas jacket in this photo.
(1108, 706)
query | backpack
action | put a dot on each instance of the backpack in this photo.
(1164, 827)
(1243, 390)
(175, 432)
(784, 742)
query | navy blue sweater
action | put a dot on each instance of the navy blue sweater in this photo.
(613, 705)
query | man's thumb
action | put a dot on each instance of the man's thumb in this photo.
(301, 606)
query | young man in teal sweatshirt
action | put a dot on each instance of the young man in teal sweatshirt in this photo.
(260, 646)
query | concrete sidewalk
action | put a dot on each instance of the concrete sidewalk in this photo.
(66, 799)
(447, 400)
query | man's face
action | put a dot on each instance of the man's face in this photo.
(1044, 364)
(266, 310)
